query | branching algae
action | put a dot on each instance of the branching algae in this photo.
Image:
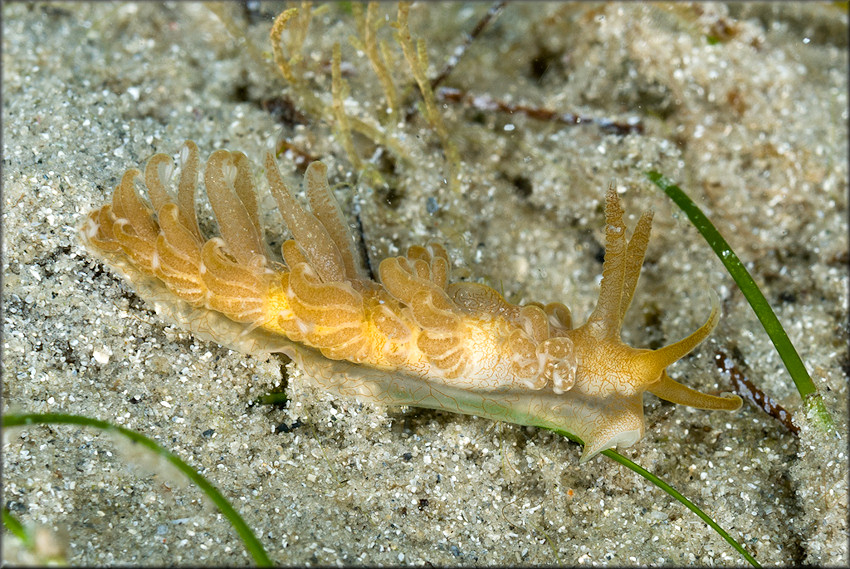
(412, 337)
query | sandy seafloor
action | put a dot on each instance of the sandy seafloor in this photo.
(745, 106)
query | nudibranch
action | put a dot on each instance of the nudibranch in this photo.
(411, 338)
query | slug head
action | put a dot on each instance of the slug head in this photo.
(611, 376)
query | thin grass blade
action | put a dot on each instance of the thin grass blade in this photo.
(252, 544)
(808, 391)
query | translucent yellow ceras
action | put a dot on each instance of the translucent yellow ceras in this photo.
(413, 338)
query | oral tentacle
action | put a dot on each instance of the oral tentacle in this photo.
(671, 390)
(656, 361)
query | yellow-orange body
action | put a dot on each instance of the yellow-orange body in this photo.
(411, 338)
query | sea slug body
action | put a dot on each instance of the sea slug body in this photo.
(411, 338)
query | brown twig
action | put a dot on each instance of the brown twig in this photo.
(460, 50)
(746, 389)
(488, 103)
